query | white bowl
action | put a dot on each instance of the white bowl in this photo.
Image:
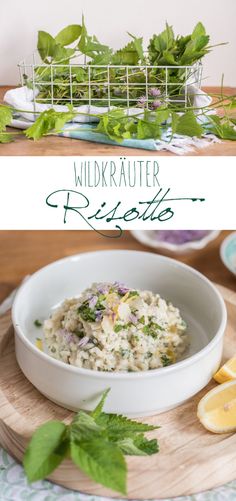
(134, 394)
(150, 238)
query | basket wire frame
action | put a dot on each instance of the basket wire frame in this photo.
(40, 77)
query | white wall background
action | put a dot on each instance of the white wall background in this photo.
(109, 20)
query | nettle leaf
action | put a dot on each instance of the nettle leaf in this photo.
(45, 451)
(69, 34)
(138, 445)
(129, 55)
(138, 44)
(48, 121)
(188, 125)
(6, 115)
(46, 46)
(102, 461)
(121, 425)
(98, 409)
(84, 425)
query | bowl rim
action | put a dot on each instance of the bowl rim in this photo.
(224, 245)
(200, 244)
(121, 375)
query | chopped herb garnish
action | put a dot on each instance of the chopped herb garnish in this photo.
(37, 323)
(118, 327)
(152, 329)
(165, 360)
(142, 320)
(132, 294)
(87, 313)
(80, 334)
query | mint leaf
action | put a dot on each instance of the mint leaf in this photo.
(69, 34)
(101, 461)
(98, 409)
(46, 450)
(188, 125)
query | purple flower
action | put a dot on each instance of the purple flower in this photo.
(98, 314)
(83, 341)
(103, 288)
(142, 101)
(133, 318)
(154, 92)
(93, 301)
(121, 288)
(180, 236)
(155, 104)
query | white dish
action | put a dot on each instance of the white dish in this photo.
(150, 238)
(134, 394)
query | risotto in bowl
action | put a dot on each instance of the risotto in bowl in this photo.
(113, 328)
(146, 326)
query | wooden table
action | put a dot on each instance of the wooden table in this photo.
(65, 146)
(23, 252)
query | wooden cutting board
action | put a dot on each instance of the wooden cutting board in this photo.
(190, 459)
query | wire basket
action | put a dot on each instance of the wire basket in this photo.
(81, 83)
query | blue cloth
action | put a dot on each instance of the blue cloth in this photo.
(86, 133)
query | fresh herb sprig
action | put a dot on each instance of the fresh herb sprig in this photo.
(147, 124)
(71, 83)
(96, 442)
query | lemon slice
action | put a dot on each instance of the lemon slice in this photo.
(227, 372)
(217, 410)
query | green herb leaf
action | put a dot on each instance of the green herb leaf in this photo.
(101, 461)
(98, 409)
(48, 121)
(188, 125)
(37, 323)
(120, 426)
(46, 46)
(118, 328)
(6, 138)
(138, 446)
(6, 116)
(69, 34)
(45, 451)
(84, 426)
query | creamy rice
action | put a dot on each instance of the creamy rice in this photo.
(113, 328)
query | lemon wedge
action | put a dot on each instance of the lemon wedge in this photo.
(227, 372)
(217, 410)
